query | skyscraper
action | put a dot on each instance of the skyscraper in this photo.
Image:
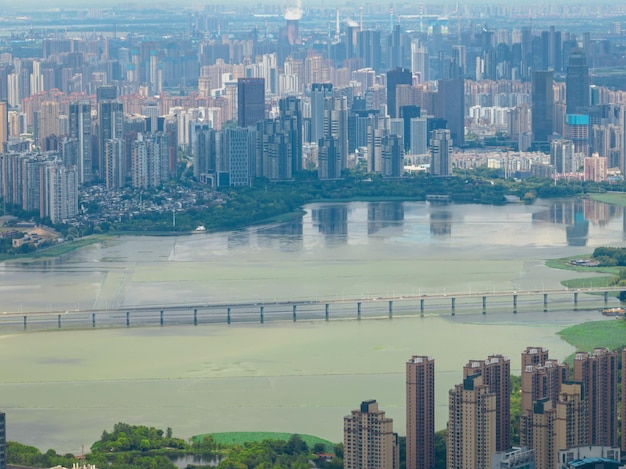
(543, 106)
(368, 49)
(250, 101)
(471, 438)
(110, 126)
(562, 156)
(395, 77)
(4, 125)
(319, 93)
(80, 129)
(291, 123)
(623, 408)
(597, 371)
(496, 373)
(3, 441)
(368, 439)
(420, 412)
(578, 95)
(440, 155)
(450, 105)
(555, 425)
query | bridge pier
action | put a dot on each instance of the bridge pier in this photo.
(453, 304)
(358, 310)
(25, 322)
(195, 317)
(484, 302)
(161, 318)
(127, 318)
(514, 303)
(261, 314)
(326, 312)
(545, 302)
(294, 313)
(606, 296)
(390, 309)
(422, 307)
(575, 298)
(93, 319)
(228, 316)
(59, 320)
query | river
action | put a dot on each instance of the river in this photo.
(61, 389)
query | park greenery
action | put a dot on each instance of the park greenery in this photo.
(142, 447)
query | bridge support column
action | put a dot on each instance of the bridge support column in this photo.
(326, 312)
(195, 317)
(25, 322)
(161, 318)
(228, 316)
(422, 307)
(606, 296)
(484, 302)
(390, 309)
(453, 304)
(294, 313)
(59, 320)
(575, 298)
(261, 314)
(515, 303)
(358, 310)
(127, 318)
(545, 299)
(93, 319)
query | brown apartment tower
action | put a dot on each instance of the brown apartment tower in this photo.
(420, 412)
(597, 371)
(623, 399)
(471, 438)
(368, 439)
(496, 373)
(541, 377)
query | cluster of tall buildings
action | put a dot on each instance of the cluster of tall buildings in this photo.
(569, 417)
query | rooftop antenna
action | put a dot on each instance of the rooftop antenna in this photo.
(361, 8)
(337, 26)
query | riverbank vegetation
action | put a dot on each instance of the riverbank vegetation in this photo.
(589, 335)
(141, 447)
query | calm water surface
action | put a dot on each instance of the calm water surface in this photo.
(61, 389)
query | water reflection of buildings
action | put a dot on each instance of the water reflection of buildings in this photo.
(286, 236)
(598, 213)
(332, 222)
(571, 214)
(440, 223)
(381, 215)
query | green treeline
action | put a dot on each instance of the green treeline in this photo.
(244, 206)
(141, 447)
(610, 257)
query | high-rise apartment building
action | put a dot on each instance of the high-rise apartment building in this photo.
(623, 407)
(597, 371)
(368, 49)
(541, 377)
(496, 373)
(250, 101)
(553, 426)
(440, 153)
(4, 124)
(420, 412)
(3, 441)
(471, 438)
(542, 106)
(110, 127)
(562, 156)
(368, 439)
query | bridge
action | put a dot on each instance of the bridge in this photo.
(320, 309)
